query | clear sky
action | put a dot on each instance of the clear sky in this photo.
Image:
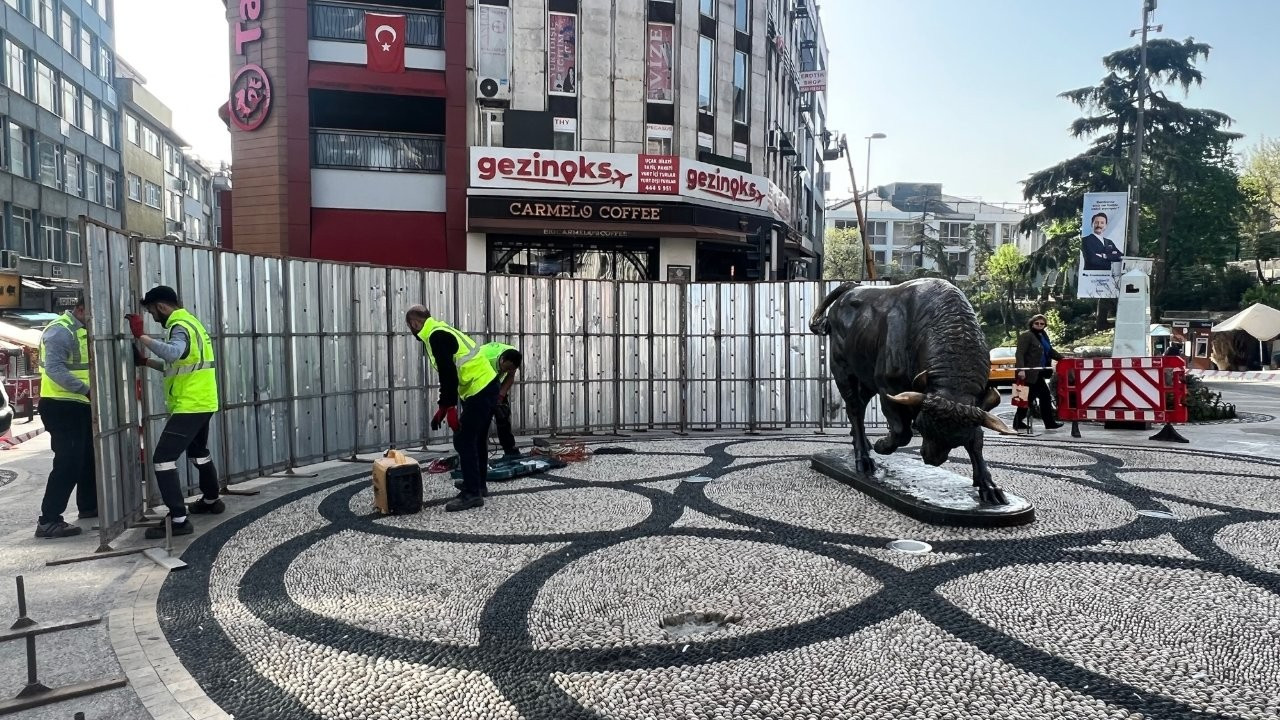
(965, 90)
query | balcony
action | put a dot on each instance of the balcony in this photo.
(383, 152)
(344, 22)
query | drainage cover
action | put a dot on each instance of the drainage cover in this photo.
(697, 479)
(1158, 514)
(692, 624)
(913, 547)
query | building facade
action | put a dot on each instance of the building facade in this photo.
(694, 108)
(198, 226)
(899, 215)
(59, 151)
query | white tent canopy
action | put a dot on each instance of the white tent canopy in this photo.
(1260, 321)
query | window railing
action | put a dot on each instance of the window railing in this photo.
(331, 20)
(387, 152)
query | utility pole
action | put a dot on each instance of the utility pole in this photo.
(1135, 193)
(868, 259)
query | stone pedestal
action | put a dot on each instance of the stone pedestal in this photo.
(928, 494)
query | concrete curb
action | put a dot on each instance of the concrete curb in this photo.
(10, 440)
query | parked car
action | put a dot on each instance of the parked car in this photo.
(1002, 365)
(6, 412)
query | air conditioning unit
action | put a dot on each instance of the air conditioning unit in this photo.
(488, 88)
(9, 259)
(774, 140)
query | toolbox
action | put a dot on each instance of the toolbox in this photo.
(397, 484)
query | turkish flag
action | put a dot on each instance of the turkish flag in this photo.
(384, 41)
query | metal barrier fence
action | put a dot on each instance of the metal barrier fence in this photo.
(314, 360)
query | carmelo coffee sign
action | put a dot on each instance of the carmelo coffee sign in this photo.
(522, 169)
(250, 101)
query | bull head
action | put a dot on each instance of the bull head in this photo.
(962, 414)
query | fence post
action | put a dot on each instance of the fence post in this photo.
(683, 345)
(753, 350)
(617, 356)
(355, 369)
(391, 364)
(554, 366)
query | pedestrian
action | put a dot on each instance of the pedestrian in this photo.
(1033, 357)
(64, 410)
(186, 357)
(1177, 346)
(466, 377)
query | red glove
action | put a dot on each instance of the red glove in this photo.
(449, 415)
(138, 358)
(135, 324)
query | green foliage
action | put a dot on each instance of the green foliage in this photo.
(1204, 405)
(1204, 287)
(1265, 294)
(1054, 323)
(842, 255)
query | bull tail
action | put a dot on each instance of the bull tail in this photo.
(818, 324)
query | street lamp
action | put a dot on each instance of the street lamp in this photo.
(866, 178)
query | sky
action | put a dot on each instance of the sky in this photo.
(966, 91)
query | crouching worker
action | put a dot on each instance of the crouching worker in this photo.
(185, 356)
(465, 376)
(506, 361)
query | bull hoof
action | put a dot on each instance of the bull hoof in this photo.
(885, 446)
(992, 495)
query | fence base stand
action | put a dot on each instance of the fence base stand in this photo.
(96, 556)
(226, 490)
(23, 621)
(55, 627)
(289, 474)
(1168, 434)
(162, 558)
(37, 695)
(1075, 428)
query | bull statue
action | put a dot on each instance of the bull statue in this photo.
(918, 346)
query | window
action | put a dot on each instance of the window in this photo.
(706, 74)
(906, 233)
(906, 259)
(658, 139)
(46, 88)
(69, 32)
(740, 110)
(154, 196)
(879, 256)
(104, 62)
(54, 243)
(15, 71)
(71, 174)
(19, 151)
(135, 188)
(173, 208)
(742, 16)
(45, 19)
(73, 241)
(1008, 233)
(564, 134)
(707, 7)
(192, 227)
(172, 160)
(86, 48)
(23, 238)
(93, 182)
(47, 163)
(107, 127)
(846, 224)
(88, 113)
(70, 112)
(132, 129)
(953, 233)
(959, 262)
(14, 4)
(109, 188)
(150, 141)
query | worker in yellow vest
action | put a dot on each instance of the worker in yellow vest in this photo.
(64, 409)
(506, 361)
(468, 378)
(185, 356)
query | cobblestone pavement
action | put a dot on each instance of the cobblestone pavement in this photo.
(781, 598)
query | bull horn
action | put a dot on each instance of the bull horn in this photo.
(921, 381)
(911, 399)
(995, 423)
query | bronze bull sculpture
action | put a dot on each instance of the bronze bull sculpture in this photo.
(918, 346)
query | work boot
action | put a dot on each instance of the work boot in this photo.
(57, 529)
(512, 455)
(458, 484)
(464, 502)
(202, 507)
(179, 528)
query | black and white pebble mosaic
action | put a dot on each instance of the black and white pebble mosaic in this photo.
(547, 602)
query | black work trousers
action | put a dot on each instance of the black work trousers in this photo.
(502, 420)
(1038, 392)
(472, 438)
(189, 433)
(71, 437)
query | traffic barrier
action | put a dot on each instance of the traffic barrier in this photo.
(1136, 389)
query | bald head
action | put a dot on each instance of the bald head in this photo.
(416, 317)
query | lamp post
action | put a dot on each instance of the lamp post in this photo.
(866, 202)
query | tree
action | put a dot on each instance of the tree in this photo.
(1190, 205)
(1260, 211)
(842, 255)
(1004, 271)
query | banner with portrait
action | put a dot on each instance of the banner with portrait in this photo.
(493, 43)
(658, 77)
(562, 54)
(1104, 220)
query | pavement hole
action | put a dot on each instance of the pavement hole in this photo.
(694, 624)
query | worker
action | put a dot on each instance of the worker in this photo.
(467, 377)
(186, 357)
(64, 408)
(506, 361)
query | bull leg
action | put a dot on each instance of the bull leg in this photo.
(855, 406)
(899, 418)
(988, 492)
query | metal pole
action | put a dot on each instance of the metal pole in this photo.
(23, 621)
(1135, 204)
(868, 261)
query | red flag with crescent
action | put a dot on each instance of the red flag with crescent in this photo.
(384, 40)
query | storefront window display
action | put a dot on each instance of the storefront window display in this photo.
(572, 260)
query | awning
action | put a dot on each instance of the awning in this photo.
(1160, 331)
(25, 337)
(32, 284)
(1260, 321)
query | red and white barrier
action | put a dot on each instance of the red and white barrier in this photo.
(1253, 375)
(1134, 389)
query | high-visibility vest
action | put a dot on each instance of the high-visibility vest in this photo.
(474, 371)
(493, 352)
(77, 364)
(191, 383)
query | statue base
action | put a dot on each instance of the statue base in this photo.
(929, 494)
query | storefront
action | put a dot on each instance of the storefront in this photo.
(626, 217)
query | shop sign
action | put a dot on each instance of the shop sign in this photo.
(250, 101)
(596, 211)
(719, 184)
(679, 274)
(10, 290)
(813, 81)
(64, 298)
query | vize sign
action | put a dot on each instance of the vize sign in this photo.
(250, 101)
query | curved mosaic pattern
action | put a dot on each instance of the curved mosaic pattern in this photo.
(546, 603)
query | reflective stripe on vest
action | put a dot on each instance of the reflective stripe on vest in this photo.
(191, 383)
(493, 353)
(474, 371)
(77, 363)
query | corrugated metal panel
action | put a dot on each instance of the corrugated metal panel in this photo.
(337, 358)
(371, 408)
(668, 355)
(703, 363)
(303, 310)
(409, 415)
(569, 325)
